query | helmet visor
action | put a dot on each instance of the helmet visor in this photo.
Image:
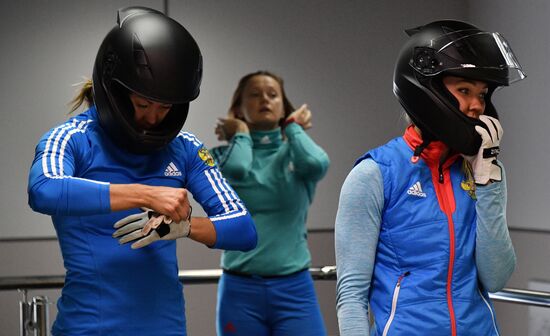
(482, 56)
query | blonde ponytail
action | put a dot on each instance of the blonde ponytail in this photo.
(84, 95)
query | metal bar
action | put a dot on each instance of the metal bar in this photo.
(203, 276)
(211, 276)
(309, 230)
(522, 296)
(40, 316)
(32, 282)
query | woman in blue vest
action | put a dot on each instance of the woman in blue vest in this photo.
(127, 152)
(274, 166)
(421, 233)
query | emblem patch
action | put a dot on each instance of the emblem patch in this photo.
(468, 183)
(205, 156)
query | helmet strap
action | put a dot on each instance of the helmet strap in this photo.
(426, 140)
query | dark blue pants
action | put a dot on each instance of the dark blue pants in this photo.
(282, 306)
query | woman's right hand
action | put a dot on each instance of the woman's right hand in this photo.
(227, 127)
(172, 202)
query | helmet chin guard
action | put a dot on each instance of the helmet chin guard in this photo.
(451, 48)
(152, 55)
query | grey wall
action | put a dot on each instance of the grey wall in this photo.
(524, 107)
(336, 56)
(532, 264)
(46, 47)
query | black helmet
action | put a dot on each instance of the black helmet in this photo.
(155, 57)
(455, 48)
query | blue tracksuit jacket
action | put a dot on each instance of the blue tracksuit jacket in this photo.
(109, 288)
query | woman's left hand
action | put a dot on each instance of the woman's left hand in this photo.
(484, 165)
(302, 116)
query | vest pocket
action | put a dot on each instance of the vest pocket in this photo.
(395, 296)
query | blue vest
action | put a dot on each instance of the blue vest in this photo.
(425, 277)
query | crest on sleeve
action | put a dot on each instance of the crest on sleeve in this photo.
(468, 184)
(205, 156)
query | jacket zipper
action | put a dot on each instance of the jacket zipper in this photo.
(394, 302)
(447, 208)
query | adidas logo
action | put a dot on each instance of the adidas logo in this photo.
(291, 166)
(172, 170)
(416, 190)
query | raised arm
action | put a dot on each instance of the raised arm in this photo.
(310, 160)
(495, 256)
(236, 159)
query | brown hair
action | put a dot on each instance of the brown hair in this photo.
(84, 96)
(236, 101)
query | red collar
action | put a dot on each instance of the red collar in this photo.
(433, 152)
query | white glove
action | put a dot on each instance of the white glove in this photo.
(484, 164)
(150, 226)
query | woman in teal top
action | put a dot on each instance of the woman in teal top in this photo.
(274, 166)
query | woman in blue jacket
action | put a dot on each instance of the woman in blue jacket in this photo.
(274, 166)
(421, 233)
(127, 152)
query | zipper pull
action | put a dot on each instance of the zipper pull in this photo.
(442, 160)
(401, 278)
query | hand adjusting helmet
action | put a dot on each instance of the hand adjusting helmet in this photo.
(155, 57)
(453, 48)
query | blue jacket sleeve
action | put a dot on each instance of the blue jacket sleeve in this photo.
(234, 227)
(495, 256)
(311, 161)
(52, 188)
(356, 237)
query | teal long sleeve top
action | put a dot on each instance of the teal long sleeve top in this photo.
(276, 179)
